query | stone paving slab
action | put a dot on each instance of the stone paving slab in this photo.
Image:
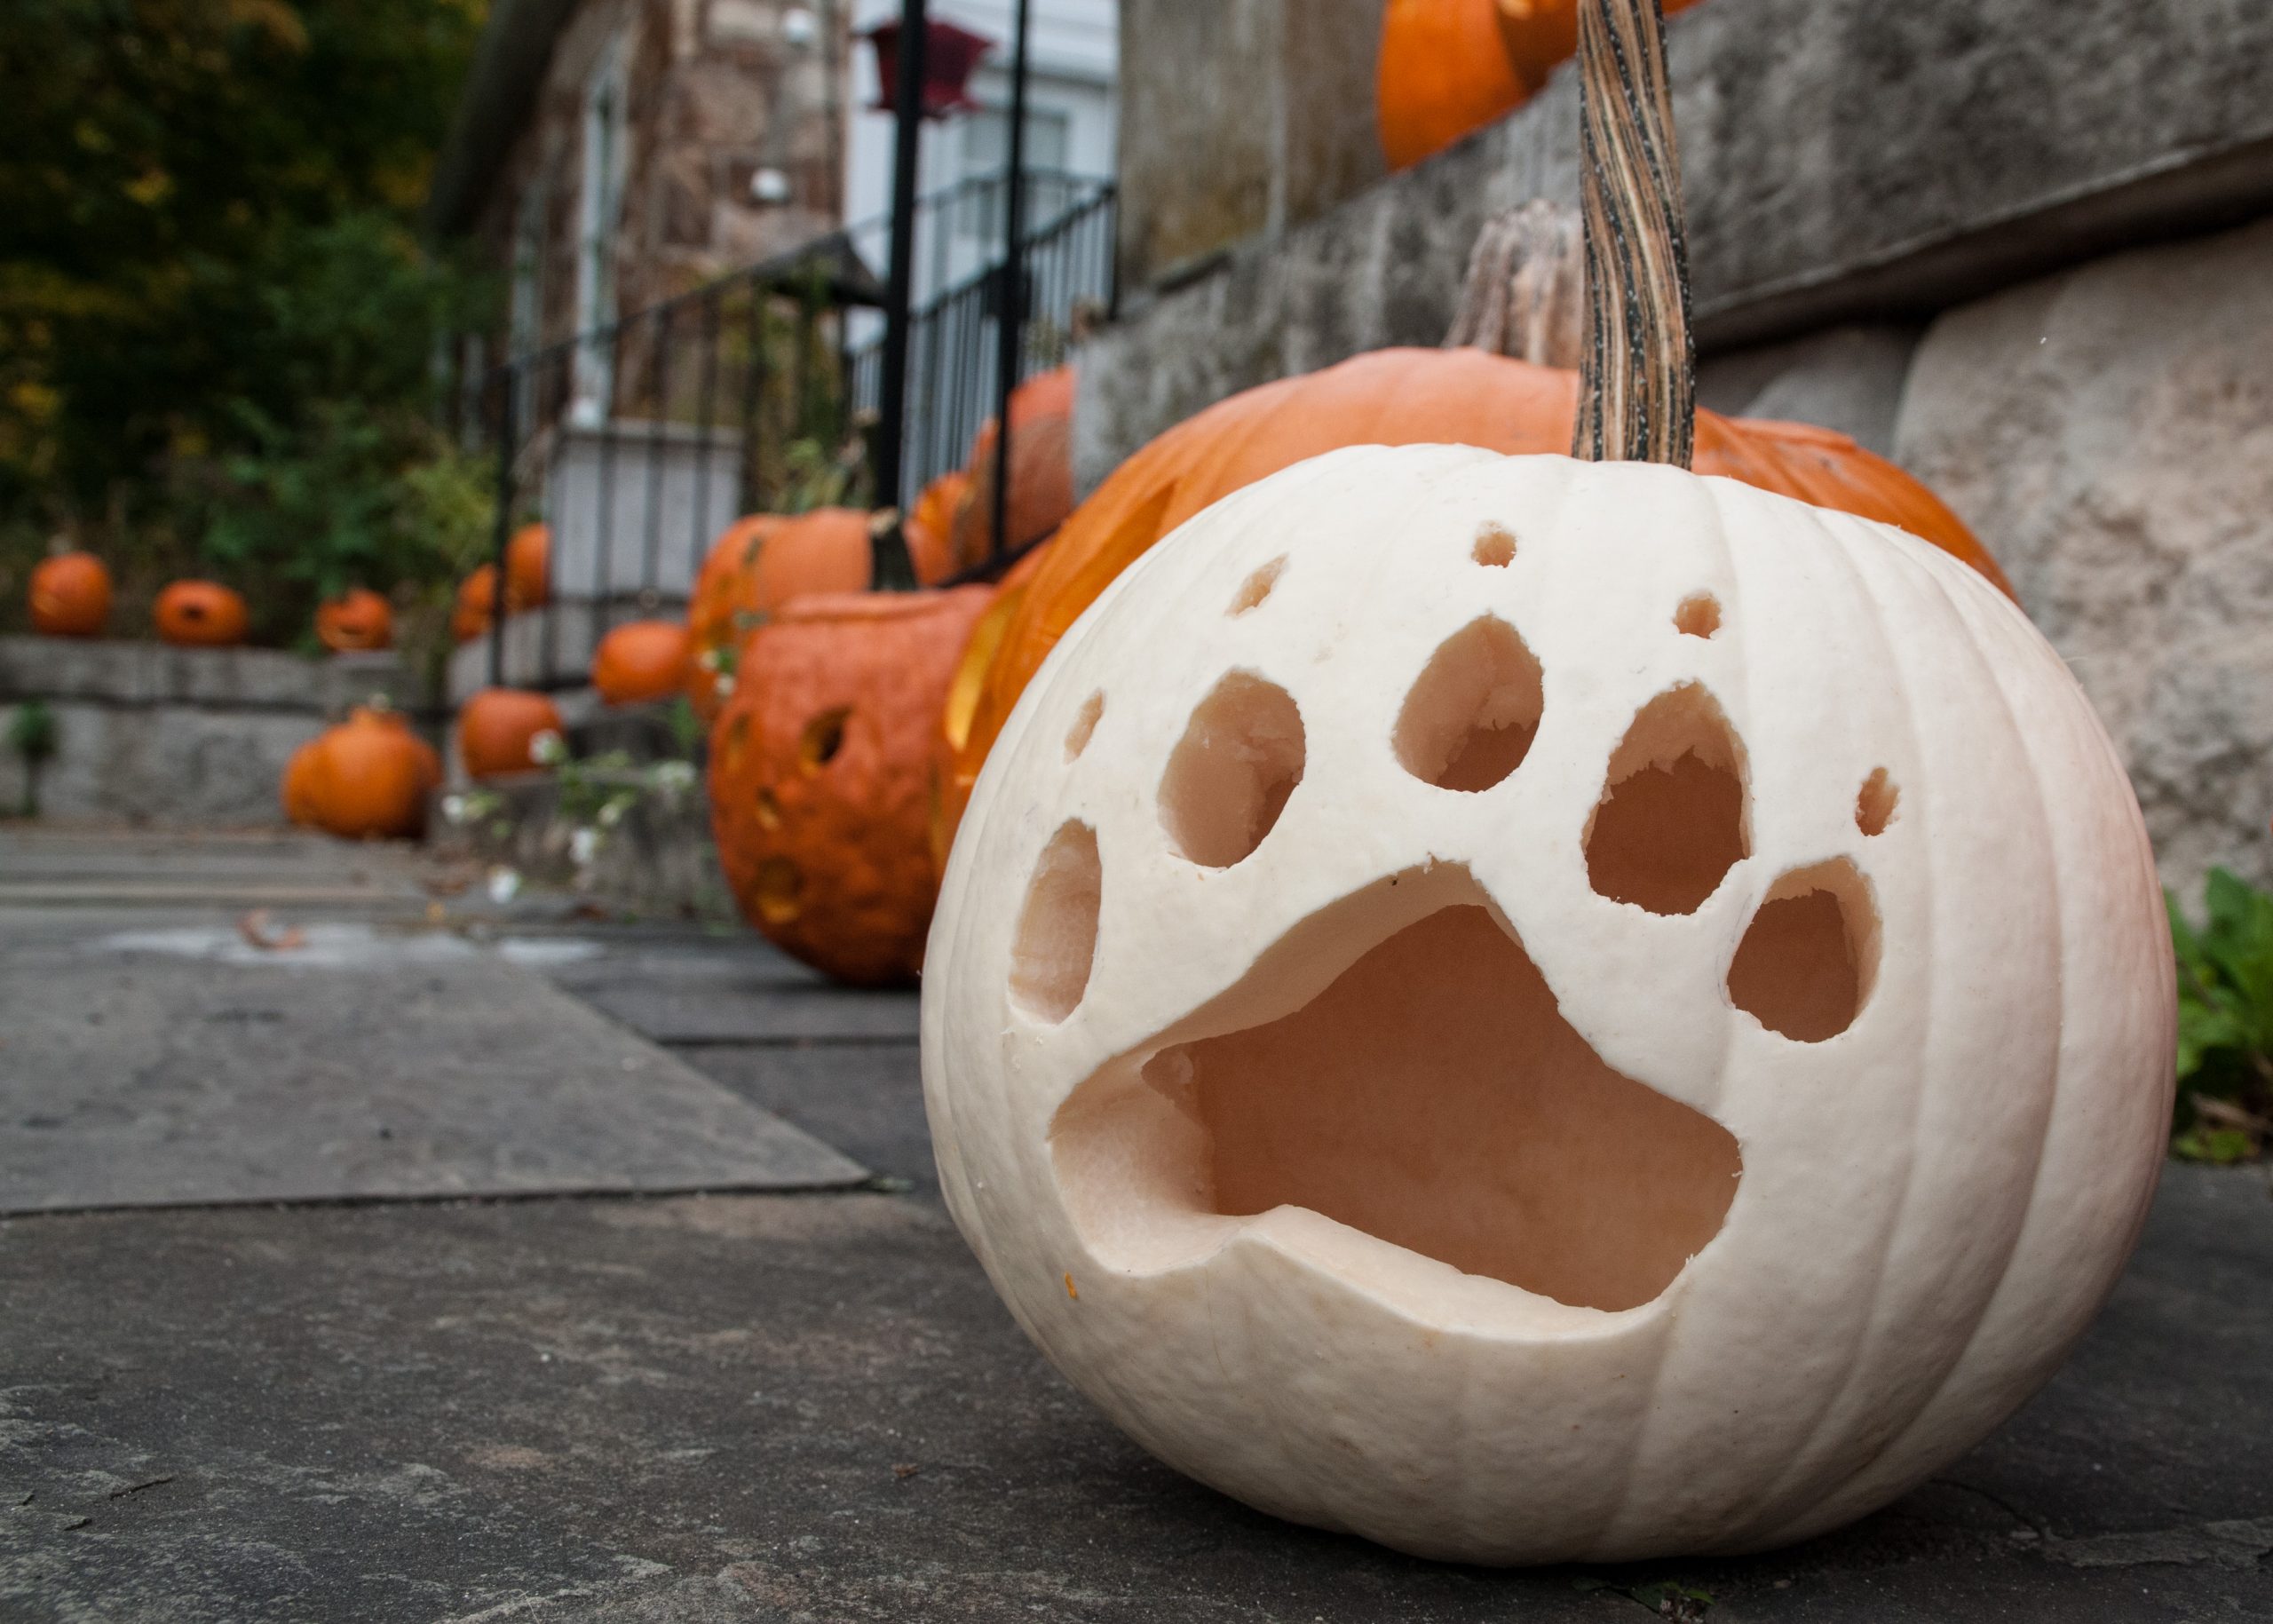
(188, 1064)
(742, 991)
(767, 1408)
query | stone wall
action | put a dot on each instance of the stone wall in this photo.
(147, 733)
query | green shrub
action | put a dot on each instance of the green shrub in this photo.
(2225, 1023)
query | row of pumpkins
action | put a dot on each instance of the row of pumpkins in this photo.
(848, 726)
(1448, 67)
(71, 597)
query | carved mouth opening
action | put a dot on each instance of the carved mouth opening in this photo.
(1398, 1065)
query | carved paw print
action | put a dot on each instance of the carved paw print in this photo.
(1491, 901)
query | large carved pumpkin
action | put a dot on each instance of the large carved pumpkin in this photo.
(820, 772)
(755, 566)
(200, 614)
(369, 777)
(641, 661)
(1041, 471)
(498, 729)
(356, 620)
(70, 595)
(1444, 71)
(1398, 396)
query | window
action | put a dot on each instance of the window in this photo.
(986, 152)
(599, 211)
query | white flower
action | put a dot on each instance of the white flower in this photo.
(674, 777)
(585, 844)
(454, 808)
(504, 884)
(548, 748)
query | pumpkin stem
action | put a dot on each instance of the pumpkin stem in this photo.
(1637, 371)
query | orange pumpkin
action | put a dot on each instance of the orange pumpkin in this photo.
(367, 778)
(360, 619)
(476, 601)
(200, 614)
(949, 787)
(1444, 72)
(1042, 469)
(931, 527)
(641, 661)
(756, 566)
(70, 595)
(528, 566)
(820, 772)
(1398, 398)
(498, 729)
(1539, 35)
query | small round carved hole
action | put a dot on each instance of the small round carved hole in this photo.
(779, 890)
(1085, 723)
(823, 738)
(1057, 940)
(1257, 587)
(1874, 804)
(1699, 617)
(769, 810)
(1231, 774)
(1495, 546)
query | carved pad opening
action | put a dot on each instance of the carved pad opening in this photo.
(1256, 587)
(1231, 774)
(1431, 1096)
(1077, 737)
(1809, 957)
(779, 890)
(1672, 819)
(1471, 716)
(822, 737)
(1699, 617)
(1495, 547)
(1875, 803)
(1057, 939)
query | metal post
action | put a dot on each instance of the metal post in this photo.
(1009, 313)
(893, 568)
(507, 431)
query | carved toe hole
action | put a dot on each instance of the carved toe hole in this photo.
(1672, 819)
(1057, 927)
(1229, 775)
(823, 737)
(1699, 617)
(1874, 804)
(768, 808)
(1256, 587)
(1495, 546)
(1471, 716)
(1085, 723)
(779, 890)
(1809, 956)
(737, 741)
(1399, 1064)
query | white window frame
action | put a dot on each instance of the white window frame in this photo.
(599, 211)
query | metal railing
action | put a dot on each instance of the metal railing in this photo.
(637, 442)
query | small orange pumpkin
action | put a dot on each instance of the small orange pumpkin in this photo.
(1444, 71)
(1042, 469)
(1400, 398)
(498, 729)
(758, 564)
(931, 527)
(528, 563)
(359, 619)
(820, 772)
(200, 614)
(369, 777)
(70, 595)
(477, 600)
(642, 661)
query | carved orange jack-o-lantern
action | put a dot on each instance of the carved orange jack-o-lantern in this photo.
(358, 619)
(755, 566)
(200, 614)
(820, 774)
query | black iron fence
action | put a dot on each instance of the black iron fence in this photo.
(637, 442)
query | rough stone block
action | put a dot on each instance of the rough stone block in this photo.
(1848, 378)
(2108, 432)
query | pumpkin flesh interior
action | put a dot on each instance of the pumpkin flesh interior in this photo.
(1430, 1095)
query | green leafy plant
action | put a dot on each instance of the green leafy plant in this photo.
(32, 734)
(2225, 1023)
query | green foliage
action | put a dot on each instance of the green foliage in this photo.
(216, 323)
(2225, 1022)
(32, 735)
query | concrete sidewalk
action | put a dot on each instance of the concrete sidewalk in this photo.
(808, 1405)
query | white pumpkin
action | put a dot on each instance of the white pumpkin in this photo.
(1535, 1010)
